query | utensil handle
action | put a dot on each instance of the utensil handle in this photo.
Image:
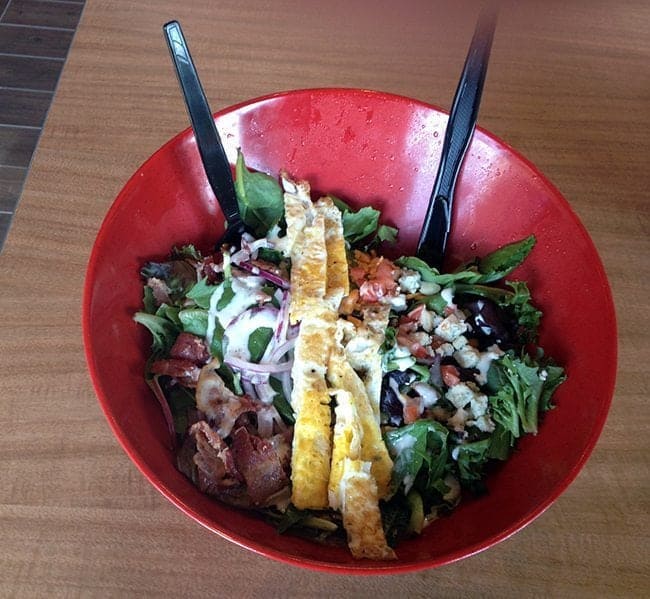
(459, 131)
(215, 162)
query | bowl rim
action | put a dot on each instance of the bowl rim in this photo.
(362, 568)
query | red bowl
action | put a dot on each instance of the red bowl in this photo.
(368, 148)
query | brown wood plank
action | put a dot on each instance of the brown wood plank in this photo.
(11, 184)
(23, 107)
(34, 41)
(29, 73)
(17, 145)
(45, 14)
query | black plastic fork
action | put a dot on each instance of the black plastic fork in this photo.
(460, 128)
(213, 156)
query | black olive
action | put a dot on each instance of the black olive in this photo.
(490, 323)
(435, 375)
(390, 406)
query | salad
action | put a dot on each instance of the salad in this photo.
(342, 395)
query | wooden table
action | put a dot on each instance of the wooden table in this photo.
(569, 86)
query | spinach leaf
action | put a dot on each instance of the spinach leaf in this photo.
(471, 461)
(216, 347)
(259, 196)
(281, 402)
(491, 268)
(231, 378)
(201, 293)
(395, 518)
(169, 312)
(386, 233)
(194, 320)
(270, 255)
(417, 446)
(227, 294)
(503, 261)
(180, 400)
(360, 224)
(257, 342)
(363, 224)
(432, 275)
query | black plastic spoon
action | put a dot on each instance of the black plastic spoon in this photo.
(213, 156)
(460, 128)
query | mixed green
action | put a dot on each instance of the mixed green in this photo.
(462, 375)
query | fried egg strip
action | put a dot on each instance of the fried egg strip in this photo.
(361, 516)
(298, 210)
(310, 399)
(363, 351)
(338, 281)
(311, 446)
(345, 383)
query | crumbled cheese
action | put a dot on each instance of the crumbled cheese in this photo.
(409, 282)
(479, 405)
(421, 337)
(467, 356)
(460, 395)
(483, 423)
(451, 327)
(429, 288)
(446, 349)
(428, 394)
(473, 403)
(427, 320)
(398, 302)
(485, 360)
(460, 341)
(447, 294)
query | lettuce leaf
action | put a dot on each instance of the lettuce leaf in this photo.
(163, 331)
(523, 386)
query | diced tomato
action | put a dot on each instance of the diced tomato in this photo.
(415, 348)
(411, 410)
(374, 276)
(415, 314)
(358, 275)
(371, 291)
(450, 375)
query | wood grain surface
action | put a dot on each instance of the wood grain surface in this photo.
(568, 86)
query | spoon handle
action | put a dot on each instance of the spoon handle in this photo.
(460, 128)
(213, 156)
